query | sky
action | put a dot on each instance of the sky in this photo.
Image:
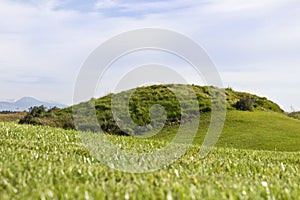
(254, 44)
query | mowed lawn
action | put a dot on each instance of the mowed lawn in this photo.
(49, 163)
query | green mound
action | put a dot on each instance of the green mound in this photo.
(177, 101)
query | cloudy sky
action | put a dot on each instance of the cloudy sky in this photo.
(254, 44)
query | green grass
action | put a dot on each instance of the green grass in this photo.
(49, 163)
(249, 130)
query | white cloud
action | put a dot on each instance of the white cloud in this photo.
(242, 6)
(145, 7)
(106, 4)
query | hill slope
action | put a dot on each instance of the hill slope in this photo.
(249, 130)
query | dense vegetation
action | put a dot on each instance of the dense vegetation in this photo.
(49, 163)
(140, 103)
(40, 115)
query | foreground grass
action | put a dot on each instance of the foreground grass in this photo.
(48, 163)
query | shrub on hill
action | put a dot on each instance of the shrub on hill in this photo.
(245, 104)
(34, 113)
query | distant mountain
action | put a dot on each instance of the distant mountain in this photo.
(25, 103)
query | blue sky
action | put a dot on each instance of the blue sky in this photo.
(254, 44)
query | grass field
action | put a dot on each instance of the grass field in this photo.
(12, 116)
(49, 163)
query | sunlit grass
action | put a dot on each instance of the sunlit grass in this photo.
(48, 163)
(250, 130)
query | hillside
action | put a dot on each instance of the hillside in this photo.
(248, 130)
(265, 127)
(140, 102)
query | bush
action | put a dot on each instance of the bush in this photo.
(33, 114)
(37, 111)
(245, 104)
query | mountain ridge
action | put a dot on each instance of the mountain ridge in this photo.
(25, 103)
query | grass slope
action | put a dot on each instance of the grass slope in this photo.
(49, 163)
(250, 130)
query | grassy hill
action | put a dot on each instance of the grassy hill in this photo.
(142, 99)
(265, 127)
(38, 162)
